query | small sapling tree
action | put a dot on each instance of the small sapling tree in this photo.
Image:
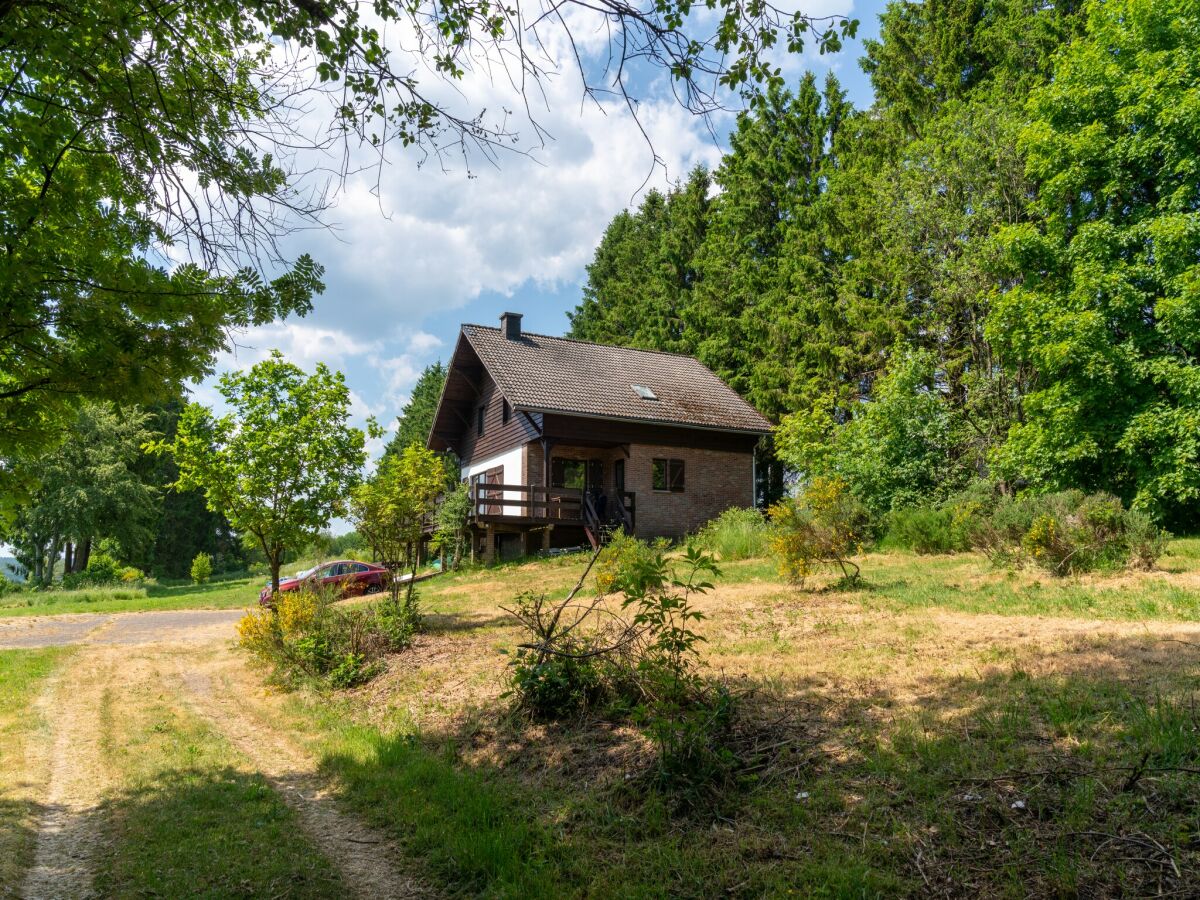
(279, 465)
(201, 568)
(453, 514)
(391, 509)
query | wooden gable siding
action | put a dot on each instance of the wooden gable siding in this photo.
(600, 432)
(497, 437)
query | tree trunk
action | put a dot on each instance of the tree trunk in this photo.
(276, 562)
(415, 558)
(69, 558)
(83, 555)
(51, 561)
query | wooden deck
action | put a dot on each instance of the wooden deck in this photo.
(526, 505)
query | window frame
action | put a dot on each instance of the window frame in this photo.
(674, 475)
(561, 463)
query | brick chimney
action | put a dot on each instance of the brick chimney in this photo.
(510, 324)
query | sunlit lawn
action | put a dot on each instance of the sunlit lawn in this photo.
(225, 594)
(22, 772)
(948, 727)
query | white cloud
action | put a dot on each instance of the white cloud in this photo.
(397, 376)
(413, 242)
(423, 342)
(405, 254)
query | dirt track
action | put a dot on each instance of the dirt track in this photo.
(184, 658)
(186, 626)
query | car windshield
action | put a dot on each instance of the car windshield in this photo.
(305, 573)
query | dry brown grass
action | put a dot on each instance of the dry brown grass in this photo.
(886, 704)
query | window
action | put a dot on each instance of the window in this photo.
(567, 473)
(505, 412)
(644, 392)
(479, 420)
(667, 475)
(359, 567)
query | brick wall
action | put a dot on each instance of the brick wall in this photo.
(714, 480)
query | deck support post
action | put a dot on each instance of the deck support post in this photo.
(546, 537)
(546, 445)
(489, 546)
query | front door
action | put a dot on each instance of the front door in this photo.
(595, 476)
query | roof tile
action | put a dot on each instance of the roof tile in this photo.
(550, 374)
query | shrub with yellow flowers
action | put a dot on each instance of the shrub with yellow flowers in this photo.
(824, 526)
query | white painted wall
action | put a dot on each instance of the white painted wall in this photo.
(511, 461)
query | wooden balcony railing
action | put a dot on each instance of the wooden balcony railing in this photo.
(535, 503)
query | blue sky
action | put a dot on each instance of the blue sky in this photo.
(436, 246)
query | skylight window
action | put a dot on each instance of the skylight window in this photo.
(644, 392)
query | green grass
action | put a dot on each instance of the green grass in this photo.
(472, 831)
(968, 804)
(967, 582)
(907, 759)
(192, 819)
(226, 594)
(22, 673)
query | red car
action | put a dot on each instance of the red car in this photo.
(349, 575)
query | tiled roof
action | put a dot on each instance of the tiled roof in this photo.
(550, 374)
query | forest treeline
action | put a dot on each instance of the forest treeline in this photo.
(994, 271)
(102, 493)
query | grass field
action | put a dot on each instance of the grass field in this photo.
(947, 728)
(224, 594)
(22, 773)
(188, 816)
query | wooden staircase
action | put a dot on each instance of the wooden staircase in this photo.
(600, 532)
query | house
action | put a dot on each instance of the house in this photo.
(564, 440)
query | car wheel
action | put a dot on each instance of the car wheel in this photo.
(373, 588)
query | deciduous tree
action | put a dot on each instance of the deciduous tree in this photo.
(1107, 309)
(90, 487)
(390, 511)
(154, 156)
(281, 464)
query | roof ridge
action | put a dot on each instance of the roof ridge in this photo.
(555, 337)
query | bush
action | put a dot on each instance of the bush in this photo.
(101, 570)
(557, 686)
(1145, 542)
(926, 529)
(1065, 533)
(1070, 533)
(308, 636)
(735, 534)
(622, 552)
(824, 526)
(201, 568)
(131, 575)
(637, 662)
(957, 524)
